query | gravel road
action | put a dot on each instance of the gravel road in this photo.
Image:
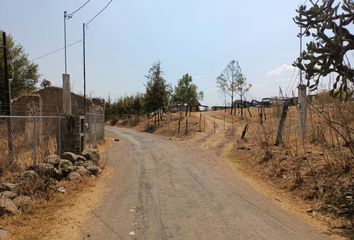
(163, 189)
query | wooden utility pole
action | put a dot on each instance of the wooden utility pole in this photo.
(281, 126)
(5, 85)
(5, 99)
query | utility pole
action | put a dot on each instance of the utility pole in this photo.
(302, 99)
(65, 16)
(84, 63)
(5, 92)
(5, 86)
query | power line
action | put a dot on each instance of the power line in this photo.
(71, 14)
(99, 13)
(57, 50)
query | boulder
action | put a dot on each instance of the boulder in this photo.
(94, 170)
(7, 206)
(79, 163)
(8, 194)
(24, 203)
(88, 163)
(65, 162)
(81, 158)
(52, 159)
(83, 171)
(72, 157)
(74, 176)
(10, 187)
(46, 169)
(72, 168)
(64, 167)
(91, 154)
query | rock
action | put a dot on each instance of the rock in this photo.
(72, 157)
(61, 189)
(83, 171)
(309, 210)
(29, 174)
(24, 203)
(65, 162)
(94, 170)
(74, 176)
(340, 224)
(7, 206)
(88, 163)
(79, 163)
(4, 234)
(10, 187)
(91, 154)
(46, 169)
(64, 167)
(8, 194)
(81, 158)
(52, 159)
(72, 168)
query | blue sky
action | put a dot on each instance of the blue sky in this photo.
(197, 36)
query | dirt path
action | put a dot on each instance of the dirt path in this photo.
(162, 189)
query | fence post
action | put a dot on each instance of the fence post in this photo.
(186, 126)
(34, 140)
(214, 124)
(200, 122)
(59, 136)
(281, 126)
(179, 125)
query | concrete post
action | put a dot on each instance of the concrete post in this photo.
(302, 105)
(66, 94)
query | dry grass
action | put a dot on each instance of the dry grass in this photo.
(39, 222)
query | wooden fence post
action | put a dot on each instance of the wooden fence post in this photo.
(214, 125)
(244, 131)
(186, 126)
(179, 126)
(200, 122)
(281, 126)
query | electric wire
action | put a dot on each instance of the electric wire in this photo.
(99, 13)
(71, 14)
(57, 50)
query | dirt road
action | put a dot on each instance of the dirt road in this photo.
(163, 189)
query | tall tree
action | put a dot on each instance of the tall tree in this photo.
(232, 82)
(242, 88)
(186, 92)
(156, 96)
(22, 71)
(45, 83)
(328, 23)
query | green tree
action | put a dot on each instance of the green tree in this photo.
(232, 82)
(328, 24)
(45, 83)
(156, 96)
(22, 71)
(186, 92)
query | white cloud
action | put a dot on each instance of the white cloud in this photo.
(280, 72)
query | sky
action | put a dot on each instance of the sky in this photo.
(199, 37)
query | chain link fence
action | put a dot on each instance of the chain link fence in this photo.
(26, 140)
